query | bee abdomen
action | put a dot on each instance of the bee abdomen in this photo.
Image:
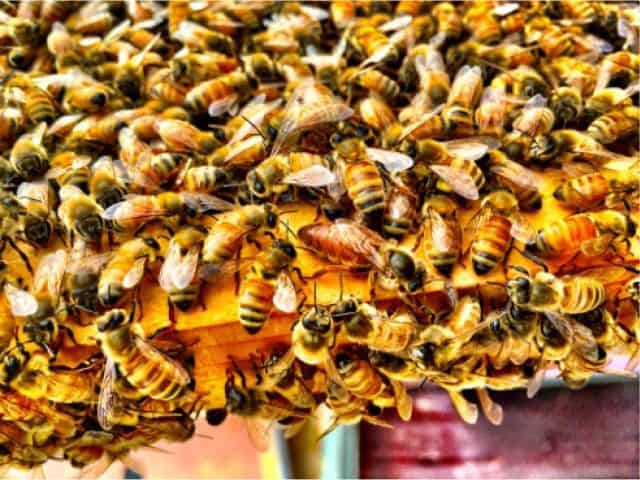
(582, 295)
(565, 236)
(366, 189)
(491, 244)
(255, 304)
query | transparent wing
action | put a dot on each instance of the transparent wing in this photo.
(472, 148)
(50, 272)
(203, 202)
(313, 176)
(461, 182)
(440, 233)
(424, 118)
(521, 229)
(135, 273)
(21, 302)
(362, 240)
(165, 277)
(504, 9)
(284, 298)
(68, 192)
(392, 161)
(108, 398)
(584, 342)
(537, 101)
(517, 174)
(148, 351)
(186, 269)
(259, 431)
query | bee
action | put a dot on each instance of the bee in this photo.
(68, 168)
(449, 21)
(376, 113)
(523, 81)
(485, 26)
(535, 119)
(18, 303)
(201, 38)
(589, 233)
(181, 136)
(522, 181)
(366, 325)
(38, 222)
(313, 335)
(134, 213)
(592, 189)
(615, 125)
(243, 154)
(567, 105)
(564, 146)
(607, 99)
(371, 80)
(572, 72)
(356, 247)
(178, 274)
(618, 69)
(79, 214)
(192, 67)
(95, 132)
(464, 95)
(219, 95)
(28, 156)
(87, 448)
(361, 379)
(281, 374)
(267, 285)
(442, 231)
(400, 212)
(30, 375)
(106, 185)
(147, 369)
(424, 69)
(492, 112)
(494, 226)
(126, 269)
(205, 179)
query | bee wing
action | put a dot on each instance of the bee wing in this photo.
(70, 191)
(259, 431)
(50, 272)
(155, 356)
(517, 174)
(313, 176)
(521, 229)
(135, 273)
(63, 125)
(127, 210)
(203, 202)
(255, 116)
(440, 238)
(229, 267)
(97, 468)
(467, 410)
(477, 222)
(472, 148)
(284, 298)
(562, 324)
(222, 106)
(393, 161)
(593, 42)
(165, 277)
(491, 410)
(504, 9)
(108, 399)
(409, 129)
(21, 302)
(186, 269)
(91, 262)
(584, 342)
(34, 191)
(537, 101)
(608, 274)
(460, 181)
(362, 240)
(404, 403)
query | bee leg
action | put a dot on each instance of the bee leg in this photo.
(69, 333)
(298, 272)
(239, 371)
(419, 237)
(373, 278)
(20, 253)
(172, 312)
(301, 303)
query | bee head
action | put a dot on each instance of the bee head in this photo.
(343, 361)
(40, 330)
(286, 247)
(237, 399)
(631, 227)
(417, 280)
(129, 86)
(12, 365)
(532, 86)
(343, 310)
(91, 227)
(424, 353)
(272, 216)
(215, 416)
(37, 230)
(112, 320)
(257, 186)
(317, 320)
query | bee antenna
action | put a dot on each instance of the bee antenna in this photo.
(288, 229)
(255, 127)
(341, 279)
(315, 295)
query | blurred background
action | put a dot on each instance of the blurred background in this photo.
(592, 433)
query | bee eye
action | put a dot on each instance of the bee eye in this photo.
(402, 265)
(343, 360)
(523, 283)
(12, 366)
(151, 242)
(220, 135)
(216, 416)
(374, 410)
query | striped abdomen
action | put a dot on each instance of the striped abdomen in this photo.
(582, 295)
(491, 244)
(222, 243)
(255, 302)
(565, 236)
(445, 255)
(586, 189)
(363, 381)
(366, 190)
(39, 106)
(150, 373)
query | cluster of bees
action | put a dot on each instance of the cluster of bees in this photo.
(152, 140)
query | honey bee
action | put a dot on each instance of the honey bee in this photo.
(400, 212)
(225, 237)
(361, 379)
(267, 285)
(589, 233)
(491, 114)
(564, 146)
(178, 274)
(89, 99)
(37, 223)
(180, 136)
(375, 112)
(201, 38)
(106, 185)
(79, 214)
(449, 21)
(567, 105)
(485, 26)
(354, 247)
(424, 67)
(12, 123)
(134, 213)
(313, 335)
(523, 81)
(129, 76)
(366, 325)
(280, 373)
(618, 69)
(572, 72)
(28, 156)
(147, 369)
(245, 153)
(607, 99)
(30, 375)
(464, 95)
(192, 67)
(220, 95)
(592, 189)
(442, 232)
(535, 119)
(522, 181)
(19, 303)
(615, 125)
(370, 80)
(494, 226)
(126, 269)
